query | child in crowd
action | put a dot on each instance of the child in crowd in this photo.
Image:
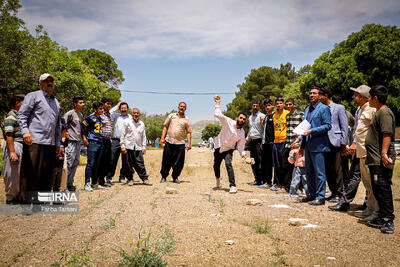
(59, 163)
(299, 171)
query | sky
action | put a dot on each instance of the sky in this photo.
(201, 46)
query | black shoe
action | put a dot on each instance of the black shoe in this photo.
(256, 183)
(13, 201)
(177, 181)
(377, 223)
(71, 188)
(340, 207)
(304, 199)
(334, 199)
(388, 227)
(163, 180)
(317, 202)
(363, 207)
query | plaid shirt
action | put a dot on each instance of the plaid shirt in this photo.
(107, 128)
(292, 120)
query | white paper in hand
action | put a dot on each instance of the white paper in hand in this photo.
(302, 128)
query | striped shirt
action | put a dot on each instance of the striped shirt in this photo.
(11, 125)
(108, 122)
(292, 120)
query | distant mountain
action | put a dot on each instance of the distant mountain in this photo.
(198, 127)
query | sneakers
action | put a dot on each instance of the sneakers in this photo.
(293, 196)
(177, 181)
(130, 183)
(107, 184)
(273, 188)
(88, 187)
(163, 180)
(122, 181)
(233, 190)
(218, 184)
(377, 223)
(97, 186)
(388, 227)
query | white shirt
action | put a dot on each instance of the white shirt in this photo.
(256, 129)
(118, 121)
(133, 135)
(229, 135)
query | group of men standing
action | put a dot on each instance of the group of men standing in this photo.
(326, 147)
(37, 134)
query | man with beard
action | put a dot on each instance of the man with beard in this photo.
(314, 143)
(40, 122)
(173, 137)
(230, 138)
(254, 140)
(133, 146)
(119, 119)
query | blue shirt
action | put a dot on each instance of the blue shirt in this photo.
(92, 128)
(39, 116)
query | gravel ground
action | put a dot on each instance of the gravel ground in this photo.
(201, 219)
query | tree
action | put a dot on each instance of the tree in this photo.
(262, 83)
(24, 57)
(211, 130)
(154, 124)
(370, 56)
(102, 65)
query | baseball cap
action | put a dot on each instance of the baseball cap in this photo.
(44, 76)
(362, 90)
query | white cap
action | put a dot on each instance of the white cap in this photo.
(362, 90)
(44, 76)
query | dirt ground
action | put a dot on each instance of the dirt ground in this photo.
(201, 220)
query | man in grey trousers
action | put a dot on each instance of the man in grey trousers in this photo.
(73, 119)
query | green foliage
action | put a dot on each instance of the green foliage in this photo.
(211, 130)
(77, 259)
(102, 65)
(370, 56)
(110, 224)
(154, 124)
(24, 57)
(144, 254)
(262, 83)
(262, 228)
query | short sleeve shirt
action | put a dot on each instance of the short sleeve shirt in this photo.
(382, 123)
(177, 126)
(280, 126)
(11, 125)
(94, 127)
(73, 125)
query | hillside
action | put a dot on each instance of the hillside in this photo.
(198, 127)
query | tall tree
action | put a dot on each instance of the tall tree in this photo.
(370, 56)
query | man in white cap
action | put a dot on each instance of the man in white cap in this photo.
(363, 119)
(40, 123)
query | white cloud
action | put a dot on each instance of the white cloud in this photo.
(194, 28)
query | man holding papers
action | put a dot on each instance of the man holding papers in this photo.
(314, 143)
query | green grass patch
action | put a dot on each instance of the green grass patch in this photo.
(78, 258)
(145, 253)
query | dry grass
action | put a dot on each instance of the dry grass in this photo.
(199, 223)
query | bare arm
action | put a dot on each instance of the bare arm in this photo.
(164, 133)
(189, 144)
(386, 161)
(11, 148)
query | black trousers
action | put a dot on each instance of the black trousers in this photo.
(267, 163)
(381, 180)
(345, 169)
(227, 156)
(38, 164)
(105, 161)
(353, 181)
(287, 169)
(173, 157)
(134, 162)
(115, 152)
(256, 153)
(333, 170)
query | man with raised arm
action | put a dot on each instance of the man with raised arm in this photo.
(231, 137)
